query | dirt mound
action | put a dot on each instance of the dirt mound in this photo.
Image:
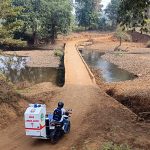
(138, 37)
(12, 104)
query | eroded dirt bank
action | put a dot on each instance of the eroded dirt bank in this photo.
(12, 104)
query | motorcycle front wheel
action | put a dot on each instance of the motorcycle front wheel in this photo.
(54, 137)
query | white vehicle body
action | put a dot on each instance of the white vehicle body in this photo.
(35, 120)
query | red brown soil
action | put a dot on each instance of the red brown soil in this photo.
(138, 37)
(12, 104)
(96, 118)
(39, 92)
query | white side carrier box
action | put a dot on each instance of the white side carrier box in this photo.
(35, 120)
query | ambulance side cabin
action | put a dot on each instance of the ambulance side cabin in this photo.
(35, 116)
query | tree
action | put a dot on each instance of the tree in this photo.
(33, 20)
(59, 18)
(10, 22)
(45, 18)
(88, 13)
(133, 13)
(112, 11)
(102, 24)
(32, 14)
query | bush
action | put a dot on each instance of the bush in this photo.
(122, 34)
(2, 77)
(9, 42)
(58, 53)
(111, 146)
(148, 44)
(78, 29)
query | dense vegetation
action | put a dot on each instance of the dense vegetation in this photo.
(112, 13)
(10, 24)
(34, 20)
(40, 21)
(134, 13)
(88, 13)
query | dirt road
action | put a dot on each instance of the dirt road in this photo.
(95, 114)
(76, 95)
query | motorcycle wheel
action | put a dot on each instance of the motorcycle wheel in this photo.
(53, 137)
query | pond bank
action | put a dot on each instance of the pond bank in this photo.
(39, 58)
(39, 76)
(134, 94)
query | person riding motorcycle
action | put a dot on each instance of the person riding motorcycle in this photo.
(59, 116)
(59, 112)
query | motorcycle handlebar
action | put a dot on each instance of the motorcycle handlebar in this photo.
(69, 110)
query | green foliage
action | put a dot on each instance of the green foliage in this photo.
(59, 18)
(58, 53)
(33, 20)
(111, 146)
(133, 13)
(78, 29)
(88, 13)
(9, 42)
(2, 77)
(45, 19)
(112, 11)
(10, 23)
(148, 44)
(103, 24)
(147, 26)
(122, 34)
(32, 14)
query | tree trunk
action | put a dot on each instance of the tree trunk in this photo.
(54, 34)
(35, 39)
(117, 48)
(120, 41)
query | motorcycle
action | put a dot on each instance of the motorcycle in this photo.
(58, 129)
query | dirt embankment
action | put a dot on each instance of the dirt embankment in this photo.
(12, 104)
(15, 98)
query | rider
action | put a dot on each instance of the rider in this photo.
(59, 114)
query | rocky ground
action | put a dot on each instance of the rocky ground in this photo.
(39, 58)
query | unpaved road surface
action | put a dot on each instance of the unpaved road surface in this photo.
(92, 109)
(76, 94)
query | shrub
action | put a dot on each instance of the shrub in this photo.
(111, 146)
(148, 44)
(2, 76)
(58, 53)
(122, 34)
(78, 29)
(9, 42)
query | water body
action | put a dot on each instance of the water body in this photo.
(109, 71)
(15, 70)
